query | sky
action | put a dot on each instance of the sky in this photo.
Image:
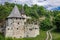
(46, 3)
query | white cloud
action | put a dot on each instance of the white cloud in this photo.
(39, 2)
(42, 3)
(54, 2)
(29, 2)
(49, 3)
(2, 2)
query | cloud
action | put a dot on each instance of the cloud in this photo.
(39, 2)
(54, 2)
(2, 1)
(29, 2)
(46, 3)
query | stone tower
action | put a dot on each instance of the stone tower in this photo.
(15, 24)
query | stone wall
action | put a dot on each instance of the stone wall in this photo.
(31, 30)
(15, 28)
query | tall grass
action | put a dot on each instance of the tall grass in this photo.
(56, 35)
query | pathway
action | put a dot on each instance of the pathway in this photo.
(49, 35)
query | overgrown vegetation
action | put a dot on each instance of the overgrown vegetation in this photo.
(56, 35)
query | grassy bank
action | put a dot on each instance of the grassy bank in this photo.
(56, 36)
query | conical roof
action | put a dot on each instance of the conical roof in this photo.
(15, 13)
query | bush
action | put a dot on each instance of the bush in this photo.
(46, 24)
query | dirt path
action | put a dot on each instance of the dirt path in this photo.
(49, 35)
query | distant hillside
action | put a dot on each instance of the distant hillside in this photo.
(57, 8)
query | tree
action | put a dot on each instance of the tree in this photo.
(57, 22)
(41, 11)
(46, 24)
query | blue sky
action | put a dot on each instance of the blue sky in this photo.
(47, 3)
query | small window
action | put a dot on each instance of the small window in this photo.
(30, 29)
(36, 28)
(1, 27)
(24, 22)
(8, 28)
(3, 30)
(35, 23)
(16, 18)
(17, 28)
(23, 18)
(18, 22)
(11, 23)
(20, 18)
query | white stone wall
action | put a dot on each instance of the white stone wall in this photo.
(31, 30)
(17, 28)
(36, 29)
(9, 31)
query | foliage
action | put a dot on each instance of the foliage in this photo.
(46, 24)
(56, 36)
(2, 36)
(57, 22)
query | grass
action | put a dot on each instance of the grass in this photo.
(42, 36)
(2, 37)
(56, 35)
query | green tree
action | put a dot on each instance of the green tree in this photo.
(46, 24)
(57, 22)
